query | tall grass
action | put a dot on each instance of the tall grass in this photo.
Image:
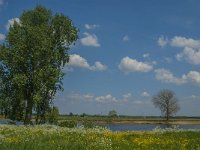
(47, 137)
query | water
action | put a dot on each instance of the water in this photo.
(146, 127)
(8, 121)
(126, 127)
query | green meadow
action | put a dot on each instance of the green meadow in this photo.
(46, 137)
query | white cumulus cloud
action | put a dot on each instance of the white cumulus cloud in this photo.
(162, 41)
(98, 66)
(76, 61)
(2, 37)
(90, 40)
(132, 65)
(91, 26)
(191, 55)
(11, 22)
(166, 76)
(127, 96)
(193, 77)
(106, 98)
(191, 49)
(179, 41)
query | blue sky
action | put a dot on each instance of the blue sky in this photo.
(127, 51)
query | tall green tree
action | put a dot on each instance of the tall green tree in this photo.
(32, 59)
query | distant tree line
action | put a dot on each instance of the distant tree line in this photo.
(31, 62)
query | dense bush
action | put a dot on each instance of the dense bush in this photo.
(68, 124)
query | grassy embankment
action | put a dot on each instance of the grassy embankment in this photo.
(57, 138)
(128, 119)
(132, 119)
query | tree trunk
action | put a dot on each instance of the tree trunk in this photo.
(167, 112)
(28, 115)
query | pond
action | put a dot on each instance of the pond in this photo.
(147, 127)
(126, 127)
(8, 121)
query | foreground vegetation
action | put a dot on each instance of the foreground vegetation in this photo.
(47, 137)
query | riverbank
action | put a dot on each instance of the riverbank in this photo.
(47, 137)
(134, 120)
(173, 122)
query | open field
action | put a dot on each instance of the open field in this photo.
(133, 119)
(128, 119)
(57, 138)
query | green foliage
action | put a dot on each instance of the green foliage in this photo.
(68, 123)
(112, 113)
(75, 123)
(52, 115)
(88, 124)
(31, 62)
(71, 114)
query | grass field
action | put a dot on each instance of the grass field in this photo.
(47, 137)
(128, 119)
(132, 119)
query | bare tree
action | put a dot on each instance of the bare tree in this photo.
(167, 102)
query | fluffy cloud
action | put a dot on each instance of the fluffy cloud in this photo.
(2, 37)
(193, 77)
(191, 55)
(191, 48)
(90, 40)
(126, 38)
(98, 66)
(127, 96)
(179, 41)
(91, 26)
(11, 22)
(145, 94)
(132, 65)
(162, 41)
(106, 98)
(76, 61)
(167, 77)
(102, 99)
(77, 97)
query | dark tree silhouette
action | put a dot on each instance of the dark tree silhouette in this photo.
(167, 102)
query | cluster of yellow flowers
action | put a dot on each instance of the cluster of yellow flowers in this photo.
(54, 137)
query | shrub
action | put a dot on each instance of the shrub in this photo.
(68, 123)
